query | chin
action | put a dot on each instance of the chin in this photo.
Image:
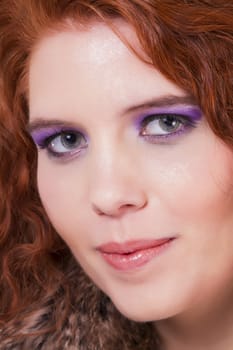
(138, 310)
(141, 313)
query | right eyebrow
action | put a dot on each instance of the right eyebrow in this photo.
(42, 123)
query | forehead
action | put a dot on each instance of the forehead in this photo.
(95, 43)
(92, 63)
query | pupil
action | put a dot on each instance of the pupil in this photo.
(169, 122)
(69, 140)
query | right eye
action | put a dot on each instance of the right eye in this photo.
(66, 143)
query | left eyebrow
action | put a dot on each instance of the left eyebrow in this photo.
(163, 101)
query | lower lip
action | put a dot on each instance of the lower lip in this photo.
(137, 259)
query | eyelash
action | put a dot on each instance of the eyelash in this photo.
(184, 124)
(46, 143)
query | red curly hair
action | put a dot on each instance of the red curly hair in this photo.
(189, 41)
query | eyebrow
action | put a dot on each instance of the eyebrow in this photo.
(163, 101)
(42, 123)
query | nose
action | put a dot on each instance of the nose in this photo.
(116, 188)
(115, 203)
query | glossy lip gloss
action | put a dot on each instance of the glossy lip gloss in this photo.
(133, 254)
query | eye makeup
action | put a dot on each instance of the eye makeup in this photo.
(41, 136)
(183, 118)
(49, 138)
(192, 113)
(158, 125)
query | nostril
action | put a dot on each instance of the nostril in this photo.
(115, 211)
(98, 211)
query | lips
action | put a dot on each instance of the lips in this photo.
(133, 254)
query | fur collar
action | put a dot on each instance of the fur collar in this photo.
(93, 323)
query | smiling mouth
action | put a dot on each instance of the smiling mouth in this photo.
(133, 254)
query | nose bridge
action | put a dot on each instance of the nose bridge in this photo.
(110, 161)
(109, 167)
(113, 179)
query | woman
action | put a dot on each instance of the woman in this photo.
(128, 106)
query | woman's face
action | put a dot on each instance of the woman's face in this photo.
(131, 176)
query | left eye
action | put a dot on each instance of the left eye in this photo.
(164, 125)
(66, 142)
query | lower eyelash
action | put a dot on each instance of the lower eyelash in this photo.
(67, 156)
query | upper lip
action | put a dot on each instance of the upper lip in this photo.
(132, 246)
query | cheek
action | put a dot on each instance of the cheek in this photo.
(194, 183)
(58, 186)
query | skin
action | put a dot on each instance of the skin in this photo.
(122, 187)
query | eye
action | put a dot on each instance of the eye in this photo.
(65, 143)
(164, 126)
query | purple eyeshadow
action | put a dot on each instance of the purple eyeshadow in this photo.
(40, 135)
(43, 135)
(191, 112)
